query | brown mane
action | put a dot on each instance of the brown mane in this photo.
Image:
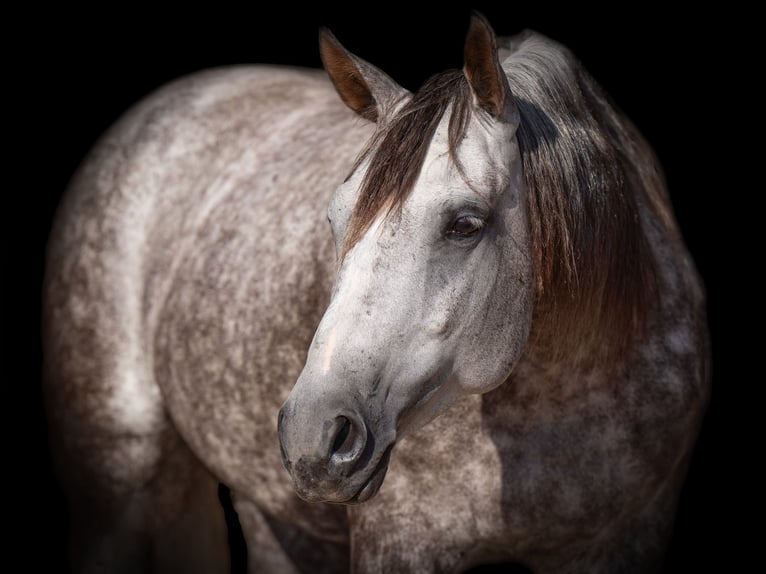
(588, 174)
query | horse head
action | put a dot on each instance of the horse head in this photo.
(434, 290)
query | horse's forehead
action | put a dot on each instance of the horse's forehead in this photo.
(480, 160)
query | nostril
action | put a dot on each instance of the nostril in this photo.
(338, 444)
(348, 443)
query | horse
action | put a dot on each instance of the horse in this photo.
(495, 352)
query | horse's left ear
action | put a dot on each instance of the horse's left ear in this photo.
(364, 88)
(482, 67)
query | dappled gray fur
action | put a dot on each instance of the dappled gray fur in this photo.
(524, 384)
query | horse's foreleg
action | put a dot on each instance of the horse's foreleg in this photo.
(140, 504)
(264, 551)
(276, 545)
(195, 538)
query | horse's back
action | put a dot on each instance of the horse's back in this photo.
(204, 204)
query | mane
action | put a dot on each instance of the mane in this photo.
(587, 171)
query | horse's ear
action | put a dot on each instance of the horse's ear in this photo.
(482, 67)
(364, 88)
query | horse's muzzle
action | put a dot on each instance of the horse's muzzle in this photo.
(334, 461)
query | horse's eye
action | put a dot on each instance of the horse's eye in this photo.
(465, 226)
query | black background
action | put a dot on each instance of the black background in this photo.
(81, 70)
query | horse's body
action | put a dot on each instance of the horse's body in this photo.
(188, 271)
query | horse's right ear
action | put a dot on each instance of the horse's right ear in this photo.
(364, 88)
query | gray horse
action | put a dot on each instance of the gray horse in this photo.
(500, 348)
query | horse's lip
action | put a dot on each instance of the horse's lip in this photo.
(370, 487)
(362, 491)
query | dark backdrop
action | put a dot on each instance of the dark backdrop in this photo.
(83, 69)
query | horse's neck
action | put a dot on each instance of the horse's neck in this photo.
(540, 377)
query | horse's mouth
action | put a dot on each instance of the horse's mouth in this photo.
(336, 490)
(372, 485)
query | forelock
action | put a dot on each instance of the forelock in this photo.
(398, 149)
